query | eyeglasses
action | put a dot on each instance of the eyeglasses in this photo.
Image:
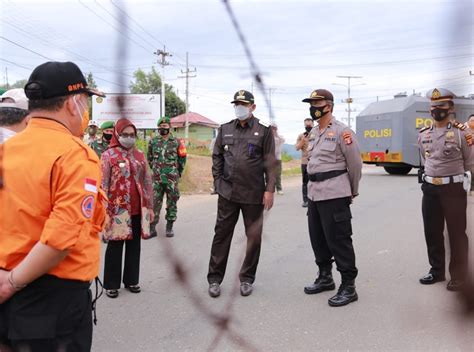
(127, 135)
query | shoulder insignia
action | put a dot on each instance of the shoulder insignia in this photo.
(459, 125)
(264, 124)
(424, 129)
(347, 137)
(469, 139)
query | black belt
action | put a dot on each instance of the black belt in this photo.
(323, 176)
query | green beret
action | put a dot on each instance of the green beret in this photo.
(107, 124)
(164, 119)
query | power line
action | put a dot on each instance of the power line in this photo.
(21, 46)
(111, 25)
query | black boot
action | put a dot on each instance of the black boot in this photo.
(324, 282)
(169, 229)
(153, 230)
(345, 295)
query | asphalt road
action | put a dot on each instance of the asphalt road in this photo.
(394, 311)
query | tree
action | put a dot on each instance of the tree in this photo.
(18, 84)
(150, 83)
(91, 81)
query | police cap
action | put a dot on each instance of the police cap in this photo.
(319, 94)
(440, 95)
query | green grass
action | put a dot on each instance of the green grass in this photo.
(202, 151)
(285, 157)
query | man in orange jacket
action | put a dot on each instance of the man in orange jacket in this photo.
(51, 214)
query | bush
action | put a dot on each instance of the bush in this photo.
(285, 157)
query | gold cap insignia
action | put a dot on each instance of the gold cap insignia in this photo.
(436, 94)
(241, 94)
(314, 94)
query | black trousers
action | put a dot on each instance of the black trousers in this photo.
(304, 172)
(50, 314)
(227, 216)
(330, 232)
(446, 203)
(113, 259)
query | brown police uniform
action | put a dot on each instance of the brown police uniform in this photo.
(447, 152)
(302, 144)
(335, 169)
(243, 169)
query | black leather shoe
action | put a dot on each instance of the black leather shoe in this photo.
(133, 288)
(112, 293)
(431, 278)
(324, 282)
(246, 289)
(214, 290)
(455, 285)
(345, 295)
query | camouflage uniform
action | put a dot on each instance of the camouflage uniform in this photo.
(167, 158)
(99, 146)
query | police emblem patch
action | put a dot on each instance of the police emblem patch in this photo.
(347, 138)
(87, 206)
(469, 139)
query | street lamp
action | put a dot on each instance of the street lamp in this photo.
(348, 100)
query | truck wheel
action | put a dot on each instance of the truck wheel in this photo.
(398, 170)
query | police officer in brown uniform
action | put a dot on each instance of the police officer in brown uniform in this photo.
(334, 170)
(447, 151)
(243, 167)
(302, 144)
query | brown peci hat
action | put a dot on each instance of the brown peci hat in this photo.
(319, 94)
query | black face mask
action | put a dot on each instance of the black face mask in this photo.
(107, 136)
(439, 114)
(317, 112)
(164, 131)
(308, 128)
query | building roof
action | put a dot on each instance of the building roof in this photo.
(193, 118)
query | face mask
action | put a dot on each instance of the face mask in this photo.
(84, 115)
(242, 112)
(317, 112)
(107, 136)
(127, 142)
(308, 129)
(439, 114)
(164, 131)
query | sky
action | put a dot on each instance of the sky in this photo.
(395, 46)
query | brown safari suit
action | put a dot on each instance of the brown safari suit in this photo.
(243, 169)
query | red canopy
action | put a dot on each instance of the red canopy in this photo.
(193, 118)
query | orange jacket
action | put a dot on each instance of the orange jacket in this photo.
(51, 194)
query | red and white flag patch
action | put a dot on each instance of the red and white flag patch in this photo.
(90, 185)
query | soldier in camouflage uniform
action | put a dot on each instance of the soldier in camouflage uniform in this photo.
(167, 157)
(100, 145)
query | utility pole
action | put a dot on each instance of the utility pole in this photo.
(349, 100)
(187, 76)
(163, 53)
(6, 78)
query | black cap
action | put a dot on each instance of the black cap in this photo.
(55, 79)
(319, 94)
(243, 96)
